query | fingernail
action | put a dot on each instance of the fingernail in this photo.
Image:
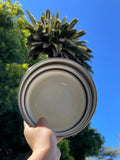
(43, 120)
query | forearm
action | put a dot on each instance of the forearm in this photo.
(43, 155)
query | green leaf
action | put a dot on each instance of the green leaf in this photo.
(48, 14)
(70, 34)
(56, 24)
(72, 23)
(43, 14)
(33, 20)
(36, 43)
(57, 15)
(40, 28)
(69, 52)
(81, 42)
(89, 50)
(30, 28)
(52, 20)
(64, 20)
(63, 27)
(42, 18)
(47, 27)
(79, 33)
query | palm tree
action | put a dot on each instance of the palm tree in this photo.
(57, 39)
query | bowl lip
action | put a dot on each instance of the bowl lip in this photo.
(77, 67)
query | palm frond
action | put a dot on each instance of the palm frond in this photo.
(58, 39)
(72, 24)
(77, 49)
(57, 15)
(48, 14)
(64, 20)
(79, 34)
(33, 20)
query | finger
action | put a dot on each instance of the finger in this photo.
(59, 139)
(42, 122)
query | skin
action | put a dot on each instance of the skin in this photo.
(42, 141)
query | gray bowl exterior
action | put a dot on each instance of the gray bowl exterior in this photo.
(73, 68)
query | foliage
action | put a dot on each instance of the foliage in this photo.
(13, 52)
(13, 55)
(108, 153)
(9, 82)
(57, 39)
(12, 142)
(12, 44)
(40, 58)
(86, 143)
(65, 150)
(12, 14)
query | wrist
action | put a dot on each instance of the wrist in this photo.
(42, 154)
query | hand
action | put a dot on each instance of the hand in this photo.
(42, 141)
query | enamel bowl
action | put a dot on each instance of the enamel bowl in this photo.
(60, 90)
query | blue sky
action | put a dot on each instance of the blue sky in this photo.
(101, 20)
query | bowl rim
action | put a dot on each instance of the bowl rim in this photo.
(80, 70)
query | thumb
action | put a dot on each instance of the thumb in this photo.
(42, 122)
(25, 125)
